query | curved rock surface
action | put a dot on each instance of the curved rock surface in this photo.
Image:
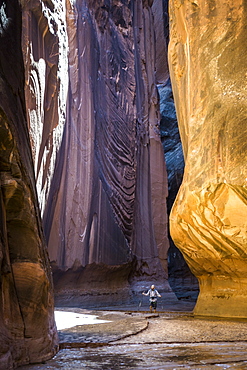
(27, 328)
(207, 56)
(181, 280)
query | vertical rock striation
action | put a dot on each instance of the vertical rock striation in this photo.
(150, 220)
(27, 327)
(45, 54)
(207, 56)
(98, 158)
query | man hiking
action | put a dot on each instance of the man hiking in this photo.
(153, 294)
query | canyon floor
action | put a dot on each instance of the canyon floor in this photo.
(135, 339)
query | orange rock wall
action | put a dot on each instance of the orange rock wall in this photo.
(208, 64)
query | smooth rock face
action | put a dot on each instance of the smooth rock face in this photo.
(99, 163)
(208, 64)
(27, 327)
(182, 281)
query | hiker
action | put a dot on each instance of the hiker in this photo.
(153, 294)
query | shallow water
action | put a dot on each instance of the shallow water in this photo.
(151, 356)
(130, 340)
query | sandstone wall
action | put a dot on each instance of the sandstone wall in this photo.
(27, 328)
(181, 280)
(94, 125)
(207, 56)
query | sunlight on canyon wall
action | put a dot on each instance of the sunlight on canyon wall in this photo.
(27, 326)
(208, 63)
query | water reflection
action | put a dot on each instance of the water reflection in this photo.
(65, 320)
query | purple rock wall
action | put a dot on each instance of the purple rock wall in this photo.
(94, 127)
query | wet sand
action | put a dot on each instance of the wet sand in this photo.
(139, 340)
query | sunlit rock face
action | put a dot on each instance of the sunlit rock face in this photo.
(208, 63)
(94, 130)
(45, 54)
(182, 281)
(27, 328)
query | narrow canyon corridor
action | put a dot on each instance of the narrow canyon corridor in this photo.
(123, 145)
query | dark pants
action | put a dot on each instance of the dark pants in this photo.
(153, 304)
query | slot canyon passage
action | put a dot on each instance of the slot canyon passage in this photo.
(105, 189)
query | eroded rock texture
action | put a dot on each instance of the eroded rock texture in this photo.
(207, 59)
(27, 328)
(45, 54)
(98, 158)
